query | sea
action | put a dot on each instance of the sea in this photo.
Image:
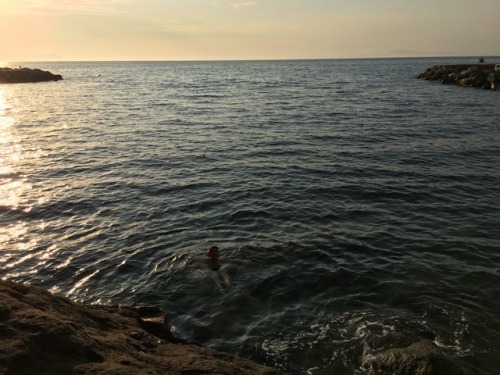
(356, 208)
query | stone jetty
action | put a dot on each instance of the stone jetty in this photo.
(27, 75)
(484, 76)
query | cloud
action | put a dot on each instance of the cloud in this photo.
(243, 4)
(52, 7)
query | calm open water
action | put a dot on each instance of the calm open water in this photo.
(364, 203)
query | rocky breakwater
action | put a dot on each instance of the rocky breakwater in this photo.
(483, 76)
(26, 75)
(44, 334)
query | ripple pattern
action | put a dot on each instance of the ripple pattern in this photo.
(356, 207)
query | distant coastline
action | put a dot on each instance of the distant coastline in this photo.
(466, 59)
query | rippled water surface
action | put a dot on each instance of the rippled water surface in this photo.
(356, 207)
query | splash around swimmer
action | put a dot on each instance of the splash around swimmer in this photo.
(219, 270)
(213, 263)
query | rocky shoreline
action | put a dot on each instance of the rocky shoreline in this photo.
(482, 76)
(27, 75)
(45, 334)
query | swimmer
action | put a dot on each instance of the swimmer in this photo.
(219, 271)
(213, 263)
(212, 258)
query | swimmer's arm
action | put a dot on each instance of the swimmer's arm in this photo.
(199, 264)
(242, 262)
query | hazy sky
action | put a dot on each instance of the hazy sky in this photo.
(241, 29)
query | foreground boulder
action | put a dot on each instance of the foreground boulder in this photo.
(421, 358)
(472, 75)
(25, 75)
(45, 334)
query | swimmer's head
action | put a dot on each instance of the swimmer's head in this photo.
(213, 253)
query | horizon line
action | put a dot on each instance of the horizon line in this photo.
(257, 59)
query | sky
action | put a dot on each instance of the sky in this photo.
(106, 30)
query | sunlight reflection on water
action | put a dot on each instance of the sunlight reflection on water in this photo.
(9, 233)
(12, 187)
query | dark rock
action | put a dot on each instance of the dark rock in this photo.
(26, 75)
(465, 82)
(472, 75)
(153, 320)
(492, 77)
(44, 334)
(421, 358)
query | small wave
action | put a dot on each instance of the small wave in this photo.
(361, 207)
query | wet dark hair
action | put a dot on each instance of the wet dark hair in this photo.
(213, 251)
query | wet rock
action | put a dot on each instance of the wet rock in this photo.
(421, 358)
(475, 75)
(153, 320)
(465, 82)
(44, 334)
(26, 75)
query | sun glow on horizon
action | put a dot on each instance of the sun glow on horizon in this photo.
(242, 29)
